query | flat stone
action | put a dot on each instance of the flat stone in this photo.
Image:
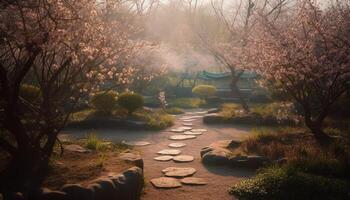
(182, 137)
(192, 133)
(201, 112)
(165, 182)
(76, 148)
(177, 145)
(163, 158)
(179, 172)
(185, 128)
(183, 158)
(171, 152)
(137, 143)
(199, 130)
(176, 130)
(187, 124)
(193, 181)
(188, 120)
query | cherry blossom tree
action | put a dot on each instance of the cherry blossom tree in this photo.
(227, 40)
(307, 52)
(67, 49)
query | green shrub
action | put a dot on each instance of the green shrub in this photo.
(104, 101)
(29, 92)
(94, 143)
(174, 111)
(156, 120)
(130, 101)
(290, 184)
(204, 91)
(185, 102)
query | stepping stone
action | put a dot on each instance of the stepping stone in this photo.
(137, 143)
(185, 128)
(177, 145)
(176, 130)
(163, 158)
(193, 181)
(182, 137)
(192, 133)
(184, 118)
(187, 124)
(196, 116)
(183, 158)
(165, 182)
(189, 120)
(179, 172)
(199, 130)
(201, 112)
(171, 152)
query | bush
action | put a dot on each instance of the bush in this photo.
(290, 184)
(94, 143)
(204, 91)
(130, 101)
(29, 92)
(156, 120)
(104, 101)
(174, 111)
(186, 102)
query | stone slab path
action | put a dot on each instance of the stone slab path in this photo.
(218, 179)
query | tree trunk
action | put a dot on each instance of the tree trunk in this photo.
(235, 92)
(24, 173)
(316, 129)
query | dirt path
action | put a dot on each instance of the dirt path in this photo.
(219, 179)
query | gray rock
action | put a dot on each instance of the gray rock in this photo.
(130, 184)
(53, 195)
(187, 124)
(214, 110)
(212, 118)
(132, 158)
(165, 182)
(104, 189)
(193, 181)
(206, 150)
(216, 157)
(179, 172)
(252, 162)
(76, 191)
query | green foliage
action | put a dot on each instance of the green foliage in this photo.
(174, 111)
(29, 92)
(104, 101)
(130, 101)
(156, 120)
(204, 91)
(185, 102)
(263, 135)
(290, 184)
(95, 143)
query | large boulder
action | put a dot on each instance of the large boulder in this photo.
(53, 195)
(129, 184)
(212, 118)
(76, 191)
(252, 162)
(216, 157)
(132, 158)
(103, 189)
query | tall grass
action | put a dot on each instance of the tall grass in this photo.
(95, 143)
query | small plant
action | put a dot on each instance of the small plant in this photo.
(94, 143)
(130, 101)
(204, 91)
(174, 111)
(29, 92)
(101, 160)
(104, 101)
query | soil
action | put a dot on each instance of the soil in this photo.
(219, 178)
(82, 168)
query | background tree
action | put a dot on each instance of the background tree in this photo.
(65, 48)
(307, 52)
